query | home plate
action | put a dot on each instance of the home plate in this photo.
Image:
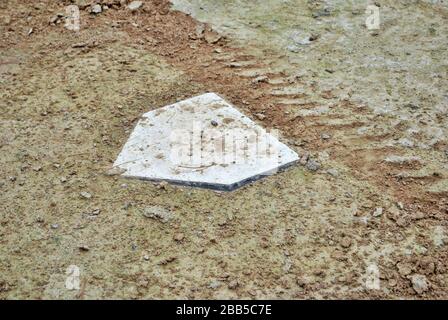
(202, 142)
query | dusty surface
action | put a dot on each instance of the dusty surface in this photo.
(369, 107)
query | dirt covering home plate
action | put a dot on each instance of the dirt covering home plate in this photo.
(356, 89)
(202, 142)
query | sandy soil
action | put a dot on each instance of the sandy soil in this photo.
(370, 107)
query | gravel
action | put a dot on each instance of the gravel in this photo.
(86, 195)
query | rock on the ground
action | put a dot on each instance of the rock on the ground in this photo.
(96, 9)
(215, 284)
(211, 37)
(333, 172)
(55, 19)
(115, 171)
(95, 212)
(346, 242)
(312, 165)
(233, 284)
(7, 20)
(325, 136)
(260, 116)
(83, 247)
(378, 212)
(260, 79)
(135, 5)
(86, 195)
(158, 213)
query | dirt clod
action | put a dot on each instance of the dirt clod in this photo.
(158, 213)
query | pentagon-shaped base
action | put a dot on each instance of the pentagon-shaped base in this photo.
(202, 142)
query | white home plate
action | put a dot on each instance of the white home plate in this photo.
(202, 142)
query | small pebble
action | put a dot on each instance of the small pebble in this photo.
(346, 242)
(83, 248)
(95, 212)
(86, 195)
(96, 9)
(333, 172)
(378, 212)
(233, 284)
(312, 165)
(215, 284)
(135, 5)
